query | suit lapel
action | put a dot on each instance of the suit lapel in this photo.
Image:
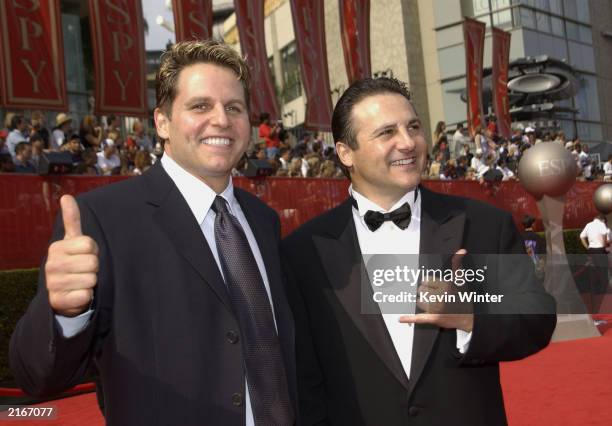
(441, 236)
(175, 219)
(342, 261)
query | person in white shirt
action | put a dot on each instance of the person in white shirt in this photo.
(17, 131)
(595, 237)
(367, 360)
(61, 131)
(607, 167)
(108, 160)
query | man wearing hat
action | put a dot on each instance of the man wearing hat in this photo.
(61, 130)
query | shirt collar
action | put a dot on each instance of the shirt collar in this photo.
(364, 204)
(198, 195)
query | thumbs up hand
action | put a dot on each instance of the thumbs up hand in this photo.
(72, 264)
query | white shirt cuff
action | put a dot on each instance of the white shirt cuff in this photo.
(71, 326)
(463, 341)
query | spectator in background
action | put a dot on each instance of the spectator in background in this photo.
(23, 154)
(142, 162)
(73, 146)
(38, 128)
(108, 160)
(480, 141)
(89, 165)
(502, 166)
(38, 145)
(595, 238)
(435, 169)
(295, 167)
(63, 127)
(3, 147)
(585, 162)
(459, 142)
(283, 158)
(439, 131)
(140, 137)
(113, 124)
(492, 126)
(6, 163)
(90, 133)
(17, 133)
(607, 168)
(270, 134)
(477, 162)
(328, 169)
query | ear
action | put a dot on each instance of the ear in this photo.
(162, 122)
(345, 154)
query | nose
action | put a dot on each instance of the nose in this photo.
(405, 140)
(219, 116)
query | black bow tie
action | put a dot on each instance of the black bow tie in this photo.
(374, 220)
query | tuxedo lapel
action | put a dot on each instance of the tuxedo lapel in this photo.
(176, 220)
(441, 236)
(341, 258)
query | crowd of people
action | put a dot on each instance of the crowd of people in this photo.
(92, 148)
(487, 156)
(104, 150)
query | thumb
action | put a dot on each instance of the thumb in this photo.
(71, 216)
(458, 258)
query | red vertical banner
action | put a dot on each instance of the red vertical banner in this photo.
(355, 32)
(119, 56)
(501, 101)
(32, 55)
(474, 35)
(309, 26)
(193, 19)
(250, 20)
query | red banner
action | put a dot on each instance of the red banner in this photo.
(309, 26)
(32, 55)
(193, 19)
(119, 56)
(250, 21)
(474, 35)
(355, 32)
(501, 102)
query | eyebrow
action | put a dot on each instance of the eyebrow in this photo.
(386, 126)
(199, 99)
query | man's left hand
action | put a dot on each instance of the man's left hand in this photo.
(458, 315)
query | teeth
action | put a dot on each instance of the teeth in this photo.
(216, 141)
(403, 162)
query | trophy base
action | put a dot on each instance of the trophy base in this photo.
(574, 326)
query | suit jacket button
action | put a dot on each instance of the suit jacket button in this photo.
(231, 336)
(414, 410)
(237, 399)
(52, 346)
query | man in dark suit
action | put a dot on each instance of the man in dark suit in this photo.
(360, 363)
(170, 283)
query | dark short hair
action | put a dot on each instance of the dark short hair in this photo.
(342, 128)
(16, 121)
(528, 221)
(20, 147)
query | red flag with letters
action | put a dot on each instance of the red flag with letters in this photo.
(501, 102)
(474, 35)
(119, 56)
(355, 32)
(193, 19)
(309, 26)
(250, 20)
(32, 74)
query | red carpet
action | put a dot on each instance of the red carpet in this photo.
(567, 384)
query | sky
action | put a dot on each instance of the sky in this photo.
(158, 36)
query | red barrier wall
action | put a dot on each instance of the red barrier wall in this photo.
(28, 205)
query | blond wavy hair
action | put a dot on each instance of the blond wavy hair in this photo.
(186, 53)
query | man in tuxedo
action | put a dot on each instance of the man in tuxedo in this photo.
(169, 283)
(438, 365)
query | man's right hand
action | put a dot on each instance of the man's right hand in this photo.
(72, 265)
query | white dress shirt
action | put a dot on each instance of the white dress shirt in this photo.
(390, 239)
(199, 197)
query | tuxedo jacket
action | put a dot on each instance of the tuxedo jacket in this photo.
(163, 336)
(349, 372)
